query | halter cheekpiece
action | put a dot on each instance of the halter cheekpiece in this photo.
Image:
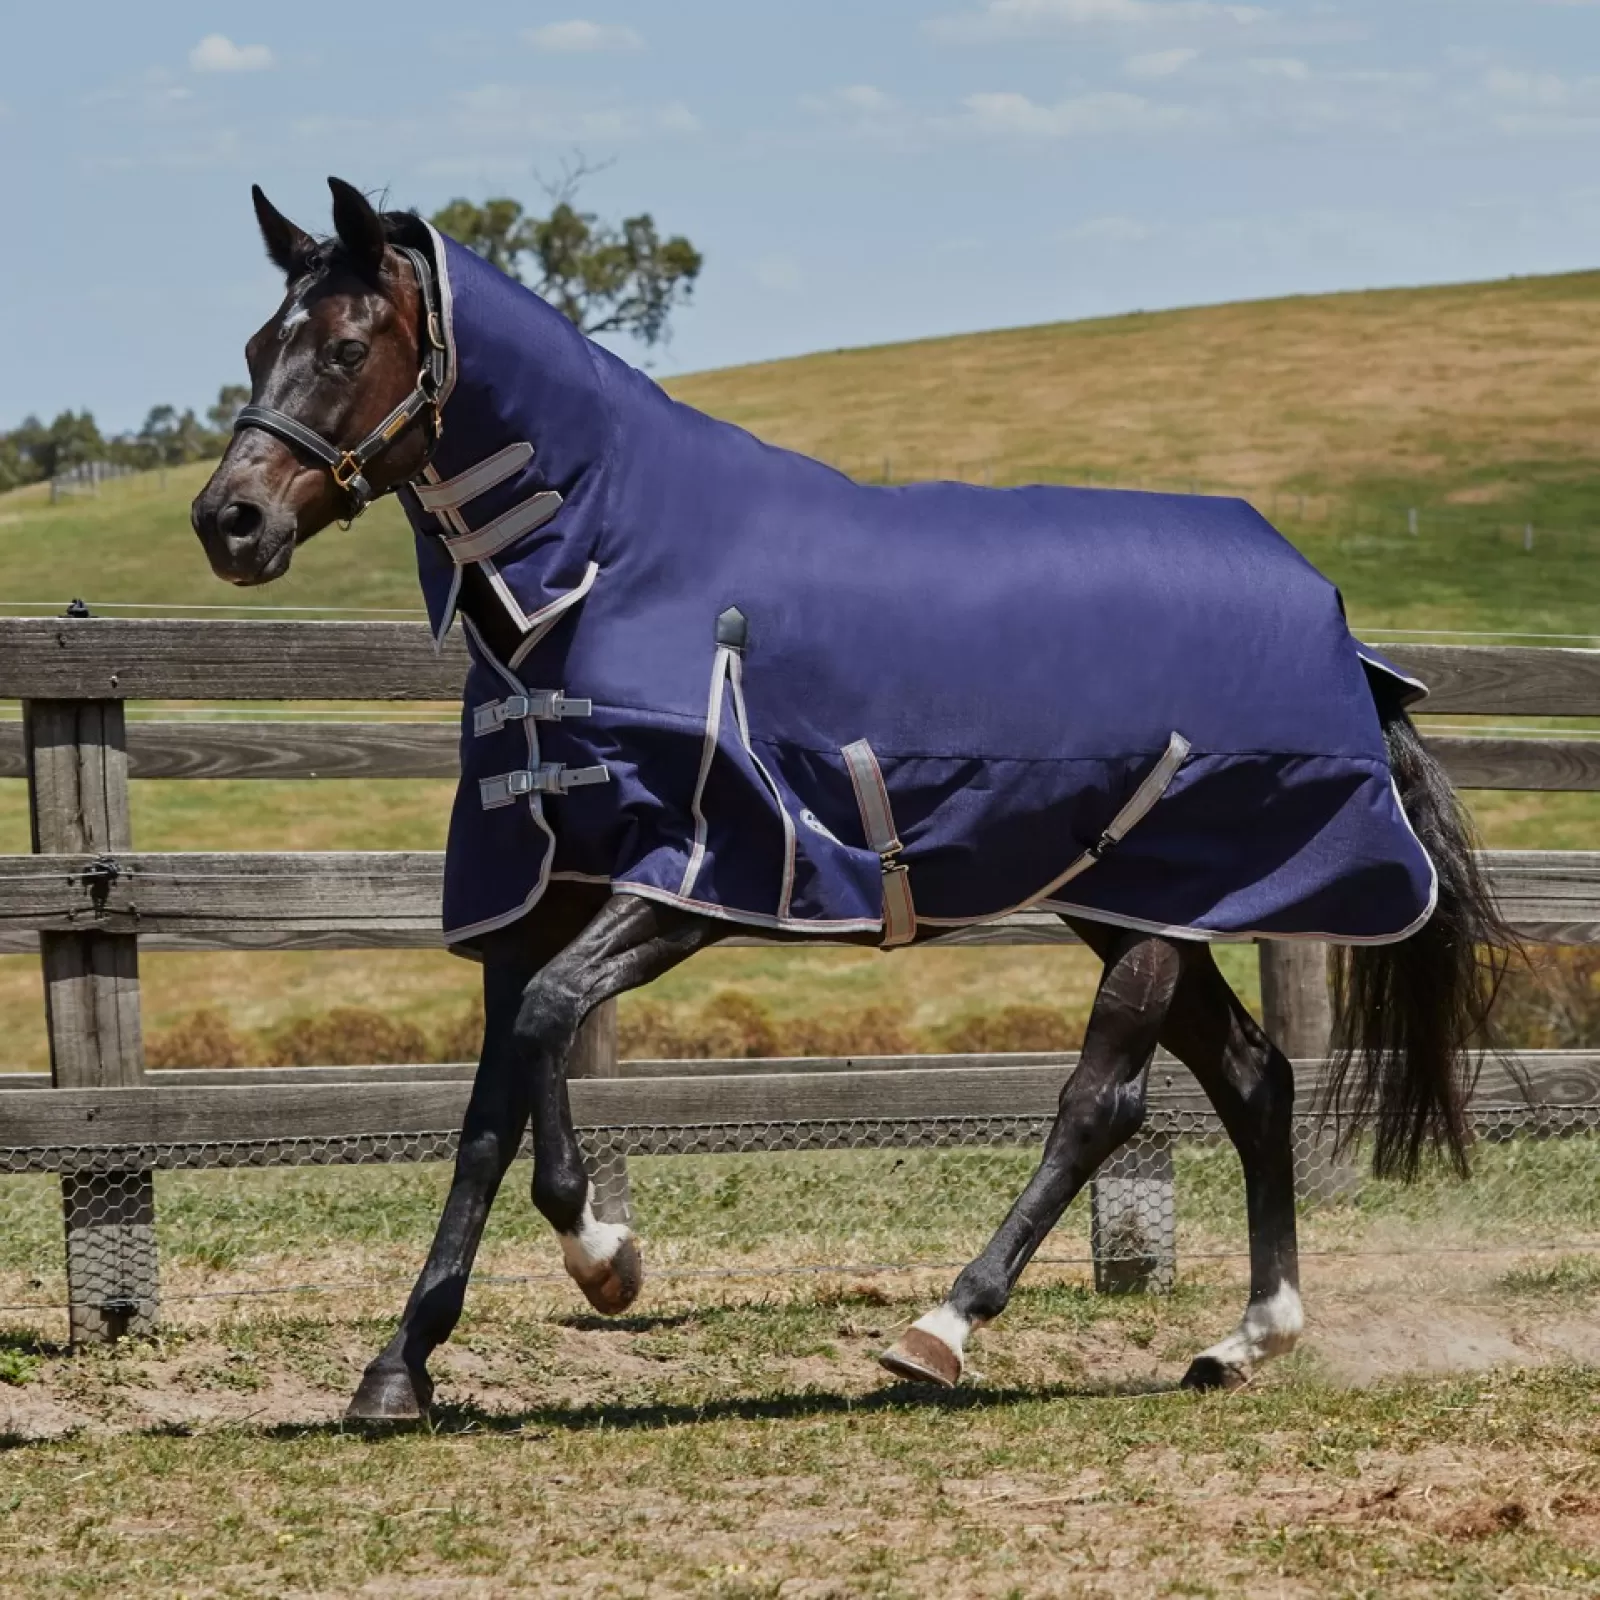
(349, 467)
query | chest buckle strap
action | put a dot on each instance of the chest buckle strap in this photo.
(549, 777)
(543, 705)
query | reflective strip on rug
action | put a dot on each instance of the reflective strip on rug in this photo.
(468, 485)
(488, 541)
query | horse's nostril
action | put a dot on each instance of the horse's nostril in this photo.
(239, 520)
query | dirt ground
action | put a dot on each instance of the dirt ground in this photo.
(1436, 1434)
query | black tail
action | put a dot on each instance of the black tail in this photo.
(1412, 1018)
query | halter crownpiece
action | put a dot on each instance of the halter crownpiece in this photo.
(349, 467)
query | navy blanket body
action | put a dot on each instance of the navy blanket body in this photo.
(753, 687)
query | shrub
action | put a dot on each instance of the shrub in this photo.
(347, 1036)
(1013, 1027)
(1552, 1002)
(202, 1039)
(461, 1038)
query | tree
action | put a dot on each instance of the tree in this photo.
(604, 277)
(232, 398)
(168, 438)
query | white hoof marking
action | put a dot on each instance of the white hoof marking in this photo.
(593, 1244)
(949, 1327)
(1268, 1328)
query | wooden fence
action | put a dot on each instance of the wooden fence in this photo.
(86, 900)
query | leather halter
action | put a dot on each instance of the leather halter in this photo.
(349, 467)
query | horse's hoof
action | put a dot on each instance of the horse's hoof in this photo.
(389, 1393)
(1207, 1373)
(923, 1357)
(612, 1286)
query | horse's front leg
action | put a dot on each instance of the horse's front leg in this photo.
(631, 942)
(396, 1386)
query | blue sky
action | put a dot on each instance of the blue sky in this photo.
(854, 173)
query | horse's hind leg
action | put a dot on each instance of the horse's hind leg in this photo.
(1251, 1084)
(1101, 1107)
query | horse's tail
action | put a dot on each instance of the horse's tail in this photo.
(1410, 1018)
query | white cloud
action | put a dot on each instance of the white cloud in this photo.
(1107, 112)
(1159, 63)
(1290, 67)
(1109, 230)
(1543, 103)
(1011, 18)
(1528, 88)
(861, 98)
(218, 53)
(676, 117)
(584, 38)
(499, 114)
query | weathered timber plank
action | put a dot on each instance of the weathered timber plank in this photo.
(159, 659)
(1549, 895)
(313, 891)
(1558, 1077)
(1561, 764)
(1503, 680)
(430, 750)
(288, 750)
(30, 1119)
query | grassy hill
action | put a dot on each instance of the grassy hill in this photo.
(1336, 414)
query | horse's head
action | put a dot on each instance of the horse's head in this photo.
(338, 412)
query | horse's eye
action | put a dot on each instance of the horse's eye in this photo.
(350, 353)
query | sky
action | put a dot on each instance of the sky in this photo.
(855, 173)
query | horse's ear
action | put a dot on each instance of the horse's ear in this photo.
(286, 244)
(359, 227)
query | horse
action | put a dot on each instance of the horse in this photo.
(395, 353)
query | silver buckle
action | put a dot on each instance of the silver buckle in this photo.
(544, 705)
(549, 777)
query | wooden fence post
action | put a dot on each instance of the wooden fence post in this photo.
(1297, 1011)
(78, 802)
(1132, 1228)
(594, 1055)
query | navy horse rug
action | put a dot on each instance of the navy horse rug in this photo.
(754, 688)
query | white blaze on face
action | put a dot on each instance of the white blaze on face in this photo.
(592, 1243)
(1268, 1328)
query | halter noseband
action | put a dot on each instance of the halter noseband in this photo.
(349, 467)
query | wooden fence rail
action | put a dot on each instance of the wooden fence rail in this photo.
(86, 901)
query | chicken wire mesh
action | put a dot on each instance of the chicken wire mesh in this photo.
(168, 1223)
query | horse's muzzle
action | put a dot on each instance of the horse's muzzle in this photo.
(246, 543)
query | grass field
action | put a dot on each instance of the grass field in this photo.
(741, 1448)
(1474, 403)
(1434, 1435)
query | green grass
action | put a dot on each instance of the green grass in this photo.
(730, 1456)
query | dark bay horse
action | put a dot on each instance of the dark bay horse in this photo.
(349, 380)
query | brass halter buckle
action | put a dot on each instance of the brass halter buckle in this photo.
(346, 470)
